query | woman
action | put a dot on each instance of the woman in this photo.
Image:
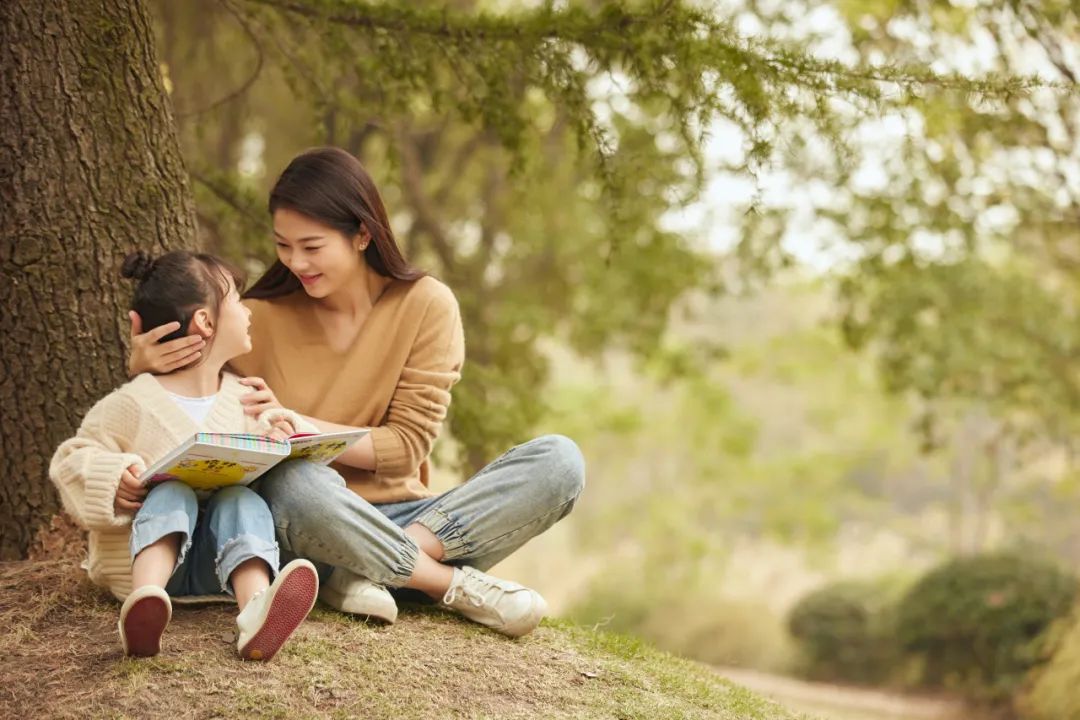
(349, 335)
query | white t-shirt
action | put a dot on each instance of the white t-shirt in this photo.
(197, 408)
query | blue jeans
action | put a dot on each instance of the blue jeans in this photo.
(517, 497)
(235, 526)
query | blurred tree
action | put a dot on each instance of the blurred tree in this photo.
(635, 86)
(530, 156)
(961, 220)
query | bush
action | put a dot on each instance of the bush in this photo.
(1053, 694)
(844, 631)
(974, 621)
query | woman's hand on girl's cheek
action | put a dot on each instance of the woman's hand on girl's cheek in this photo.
(148, 355)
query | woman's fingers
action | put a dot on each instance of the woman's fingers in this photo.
(256, 382)
(161, 331)
(182, 346)
(256, 396)
(259, 397)
(136, 323)
(259, 408)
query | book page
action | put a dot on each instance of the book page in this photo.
(324, 447)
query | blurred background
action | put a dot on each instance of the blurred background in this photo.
(820, 359)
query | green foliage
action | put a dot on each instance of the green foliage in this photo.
(1053, 693)
(845, 632)
(528, 157)
(951, 228)
(975, 621)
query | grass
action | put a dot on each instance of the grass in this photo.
(60, 657)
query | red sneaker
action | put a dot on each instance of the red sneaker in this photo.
(271, 616)
(143, 619)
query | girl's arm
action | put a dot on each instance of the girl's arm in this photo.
(87, 469)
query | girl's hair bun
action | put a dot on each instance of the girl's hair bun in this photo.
(137, 265)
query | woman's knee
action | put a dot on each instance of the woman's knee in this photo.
(564, 467)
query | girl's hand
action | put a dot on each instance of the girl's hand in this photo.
(282, 429)
(147, 355)
(130, 493)
(258, 402)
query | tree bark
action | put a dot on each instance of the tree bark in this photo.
(90, 169)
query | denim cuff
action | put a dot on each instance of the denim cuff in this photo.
(408, 554)
(148, 529)
(240, 549)
(449, 532)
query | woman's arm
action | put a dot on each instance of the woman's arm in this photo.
(360, 455)
(262, 402)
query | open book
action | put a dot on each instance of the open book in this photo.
(208, 461)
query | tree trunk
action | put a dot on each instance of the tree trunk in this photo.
(90, 169)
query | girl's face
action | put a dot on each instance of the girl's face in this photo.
(323, 259)
(230, 330)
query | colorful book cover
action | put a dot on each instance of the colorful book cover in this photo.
(209, 461)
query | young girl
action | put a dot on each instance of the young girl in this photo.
(177, 551)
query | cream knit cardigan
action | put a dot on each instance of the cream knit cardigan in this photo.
(136, 424)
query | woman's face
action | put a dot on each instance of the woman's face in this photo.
(321, 257)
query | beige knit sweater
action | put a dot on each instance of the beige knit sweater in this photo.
(137, 424)
(395, 377)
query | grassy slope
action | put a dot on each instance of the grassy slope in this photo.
(60, 657)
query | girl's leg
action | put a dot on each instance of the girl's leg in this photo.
(155, 563)
(160, 536)
(161, 533)
(242, 531)
(250, 578)
(236, 542)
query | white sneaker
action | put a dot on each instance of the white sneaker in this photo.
(273, 614)
(501, 605)
(143, 618)
(348, 592)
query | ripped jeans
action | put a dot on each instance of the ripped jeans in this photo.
(235, 525)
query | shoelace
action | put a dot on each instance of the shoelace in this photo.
(471, 595)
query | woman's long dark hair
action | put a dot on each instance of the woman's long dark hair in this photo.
(330, 186)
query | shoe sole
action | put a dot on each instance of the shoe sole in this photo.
(384, 612)
(291, 604)
(144, 625)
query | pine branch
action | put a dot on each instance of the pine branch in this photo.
(613, 33)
